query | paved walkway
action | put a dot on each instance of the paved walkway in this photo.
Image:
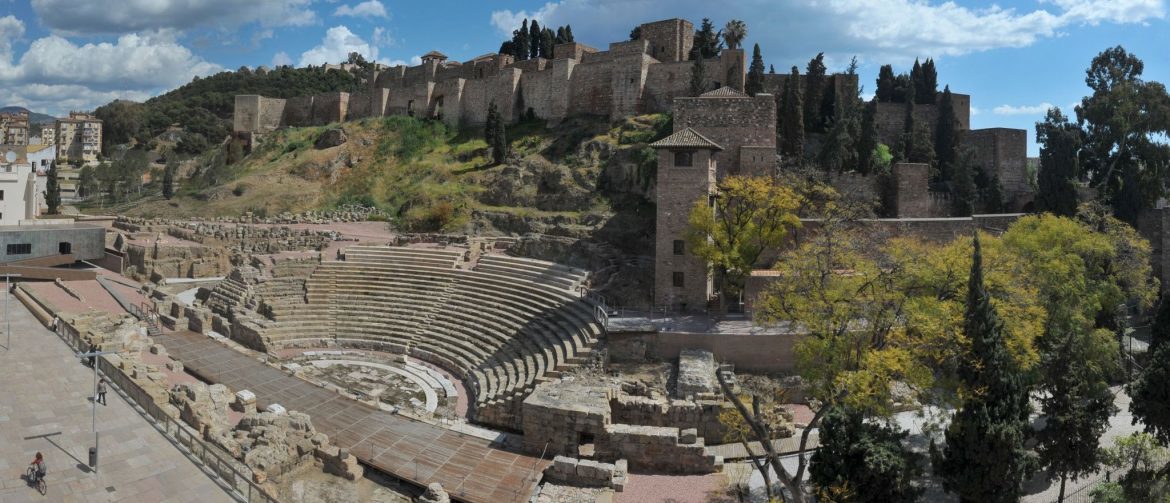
(471, 469)
(44, 406)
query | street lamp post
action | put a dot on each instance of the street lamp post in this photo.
(94, 355)
(8, 319)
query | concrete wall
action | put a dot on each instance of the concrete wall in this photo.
(86, 242)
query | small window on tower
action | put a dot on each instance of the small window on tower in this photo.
(683, 159)
(678, 247)
(679, 279)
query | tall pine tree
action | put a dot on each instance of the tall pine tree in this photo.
(755, 75)
(984, 459)
(1060, 142)
(52, 189)
(707, 43)
(792, 119)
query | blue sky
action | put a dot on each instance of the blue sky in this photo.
(1015, 58)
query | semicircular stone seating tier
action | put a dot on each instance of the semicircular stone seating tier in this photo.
(502, 328)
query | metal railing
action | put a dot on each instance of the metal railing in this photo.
(234, 477)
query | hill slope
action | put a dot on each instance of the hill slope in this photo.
(33, 117)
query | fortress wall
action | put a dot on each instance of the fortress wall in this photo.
(360, 106)
(420, 74)
(732, 122)
(246, 113)
(590, 90)
(1006, 151)
(298, 112)
(911, 189)
(962, 105)
(379, 100)
(667, 81)
(891, 120)
(477, 94)
(757, 161)
(627, 80)
(573, 50)
(271, 113)
(389, 77)
(732, 66)
(669, 40)
(447, 101)
(410, 99)
(628, 48)
(545, 92)
(531, 65)
(329, 108)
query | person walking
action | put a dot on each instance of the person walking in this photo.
(101, 398)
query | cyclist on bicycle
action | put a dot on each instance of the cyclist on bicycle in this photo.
(39, 464)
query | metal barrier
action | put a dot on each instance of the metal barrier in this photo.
(234, 477)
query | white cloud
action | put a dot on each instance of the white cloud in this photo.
(369, 8)
(124, 16)
(55, 75)
(891, 31)
(975, 110)
(383, 38)
(336, 46)
(1040, 109)
(281, 59)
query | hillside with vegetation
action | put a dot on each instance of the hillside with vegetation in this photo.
(202, 109)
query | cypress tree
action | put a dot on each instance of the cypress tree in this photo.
(865, 457)
(168, 181)
(868, 140)
(929, 81)
(814, 83)
(495, 135)
(916, 79)
(885, 84)
(755, 75)
(698, 77)
(52, 189)
(963, 189)
(520, 42)
(771, 69)
(792, 118)
(906, 147)
(569, 34)
(547, 41)
(534, 43)
(1059, 142)
(1076, 408)
(636, 33)
(984, 459)
(561, 35)
(1160, 329)
(945, 136)
(707, 43)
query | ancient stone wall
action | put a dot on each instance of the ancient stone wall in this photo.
(679, 188)
(657, 449)
(589, 90)
(911, 184)
(667, 81)
(1004, 152)
(702, 415)
(298, 112)
(573, 50)
(447, 101)
(627, 79)
(501, 89)
(669, 40)
(360, 106)
(730, 121)
(329, 108)
(752, 353)
(546, 93)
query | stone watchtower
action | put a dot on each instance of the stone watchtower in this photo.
(686, 175)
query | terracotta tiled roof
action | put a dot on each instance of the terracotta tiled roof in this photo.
(687, 138)
(434, 54)
(723, 92)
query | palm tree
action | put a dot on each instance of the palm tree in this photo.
(733, 33)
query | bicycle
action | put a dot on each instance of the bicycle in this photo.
(35, 481)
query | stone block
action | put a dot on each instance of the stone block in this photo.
(688, 436)
(174, 366)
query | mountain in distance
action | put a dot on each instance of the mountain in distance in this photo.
(33, 117)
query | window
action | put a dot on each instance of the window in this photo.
(65, 248)
(682, 159)
(20, 249)
(678, 247)
(679, 279)
(1, 195)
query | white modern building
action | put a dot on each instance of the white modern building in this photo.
(19, 199)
